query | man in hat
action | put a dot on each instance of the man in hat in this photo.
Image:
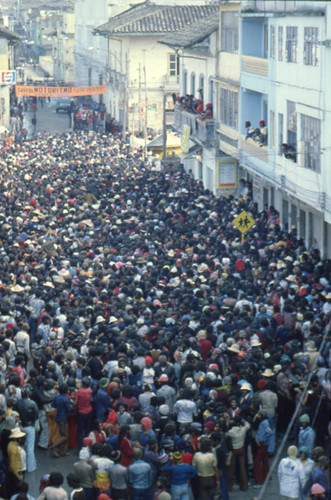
(16, 460)
(166, 391)
(290, 475)
(306, 433)
(180, 474)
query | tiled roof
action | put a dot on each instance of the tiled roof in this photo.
(148, 18)
(192, 34)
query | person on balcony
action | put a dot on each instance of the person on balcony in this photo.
(208, 113)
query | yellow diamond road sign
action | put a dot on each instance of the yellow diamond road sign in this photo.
(243, 222)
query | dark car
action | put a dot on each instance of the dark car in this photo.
(63, 104)
(86, 102)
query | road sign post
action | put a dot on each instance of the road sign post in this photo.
(243, 222)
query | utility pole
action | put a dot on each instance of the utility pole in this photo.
(125, 104)
(139, 100)
(164, 155)
(145, 122)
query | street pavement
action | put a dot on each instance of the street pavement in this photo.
(48, 121)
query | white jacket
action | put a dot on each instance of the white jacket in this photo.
(290, 476)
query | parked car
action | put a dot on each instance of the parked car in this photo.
(63, 104)
(85, 101)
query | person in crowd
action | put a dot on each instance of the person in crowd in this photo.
(290, 475)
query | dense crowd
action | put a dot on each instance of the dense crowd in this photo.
(137, 329)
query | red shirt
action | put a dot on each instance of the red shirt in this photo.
(83, 397)
(127, 452)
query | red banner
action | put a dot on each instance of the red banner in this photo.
(30, 91)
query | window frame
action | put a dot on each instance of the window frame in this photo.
(272, 51)
(311, 46)
(292, 44)
(230, 32)
(229, 102)
(311, 139)
(173, 60)
(280, 43)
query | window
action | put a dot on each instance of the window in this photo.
(266, 48)
(211, 92)
(272, 42)
(310, 137)
(193, 84)
(229, 32)
(280, 43)
(311, 48)
(173, 65)
(280, 133)
(272, 129)
(291, 124)
(291, 44)
(201, 87)
(302, 221)
(229, 108)
(185, 83)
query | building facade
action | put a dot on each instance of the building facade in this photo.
(141, 70)
(285, 61)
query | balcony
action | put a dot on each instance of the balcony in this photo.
(183, 117)
(206, 131)
(255, 65)
(252, 148)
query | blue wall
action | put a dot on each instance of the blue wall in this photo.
(251, 108)
(252, 37)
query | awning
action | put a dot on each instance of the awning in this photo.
(191, 152)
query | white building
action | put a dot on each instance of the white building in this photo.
(197, 47)
(141, 70)
(8, 39)
(285, 69)
(90, 53)
(63, 51)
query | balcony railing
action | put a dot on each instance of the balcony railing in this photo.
(183, 117)
(200, 130)
(256, 65)
(254, 149)
(206, 131)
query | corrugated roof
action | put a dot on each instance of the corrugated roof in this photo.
(155, 19)
(192, 34)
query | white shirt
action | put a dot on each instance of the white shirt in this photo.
(291, 476)
(185, 410)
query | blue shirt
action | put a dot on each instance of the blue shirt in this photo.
(264, 432)
(62, 404)
(180, 473)
(140, 475)
(307, 438)
(101, 402)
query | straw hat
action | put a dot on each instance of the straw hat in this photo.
(245, 387)
(268, 373)
(234, 348)
(255, 343)
(17, 434)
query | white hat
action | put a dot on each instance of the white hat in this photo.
(100, 319)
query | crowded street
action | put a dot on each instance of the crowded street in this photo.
(143, 336)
